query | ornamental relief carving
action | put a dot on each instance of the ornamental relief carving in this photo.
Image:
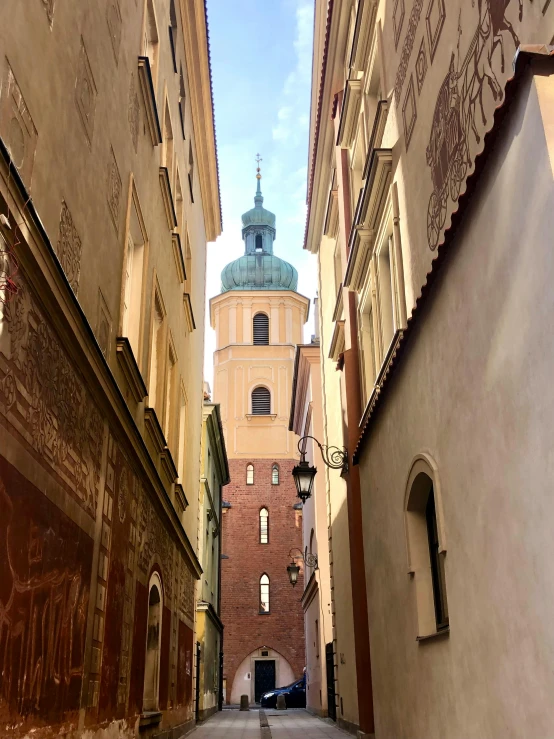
(133, 112)
(46, 401)
(69, 248)
(114, 190)
(48, 6)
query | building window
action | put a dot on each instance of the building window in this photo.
(171, 410)
(426, 550)
(135, 262)
(153, 642)
(173, 32)
(157, 356)
(168, 153)
(249, 474)
(264, 594)
(182, 433)
(261, 329)
(191, 173)
(259, 246)
(437, 564)
(261, 401)
(182, 99)
(275, 474)
(150, 45)
(264, 526)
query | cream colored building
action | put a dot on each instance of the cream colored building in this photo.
(108, 195)
(209, 628)
(327, 598)
(429, 148)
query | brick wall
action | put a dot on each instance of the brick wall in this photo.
(245, 629)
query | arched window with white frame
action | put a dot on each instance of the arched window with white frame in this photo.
(275, 474)
(264, 526)
(264, 593)
(249, 474)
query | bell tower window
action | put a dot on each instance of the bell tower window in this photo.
(259, 246)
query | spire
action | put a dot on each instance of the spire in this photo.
(258, 199)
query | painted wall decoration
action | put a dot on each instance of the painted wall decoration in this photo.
(46, 401)
(460, 100)
(45, 567)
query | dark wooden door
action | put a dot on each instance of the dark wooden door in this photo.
(330, 664)
(264, 677)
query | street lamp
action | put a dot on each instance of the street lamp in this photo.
(293, 569)
(304, 473)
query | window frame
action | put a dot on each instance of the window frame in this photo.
(275, 469)
(423, 481)
(262, 584)
(258, 388)
(249, 477)
(263, 328)
(260, 517)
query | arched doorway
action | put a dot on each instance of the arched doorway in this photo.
(153, 642)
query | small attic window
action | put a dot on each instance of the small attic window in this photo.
(259, 246)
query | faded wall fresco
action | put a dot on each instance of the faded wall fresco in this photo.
(45, 567)
(448, 72)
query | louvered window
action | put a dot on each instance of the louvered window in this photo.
(261, 329)
(261, 401)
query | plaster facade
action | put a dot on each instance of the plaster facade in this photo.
(209, 628)
(100, 365)
(327, 599)
(421, 146)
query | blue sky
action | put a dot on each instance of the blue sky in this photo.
(261, 54)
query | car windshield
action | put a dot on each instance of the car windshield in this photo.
(292, 685)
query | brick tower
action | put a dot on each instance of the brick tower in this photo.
(258, 319)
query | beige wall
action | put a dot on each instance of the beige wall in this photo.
(481, 415)
(339, 543)
(239, 367)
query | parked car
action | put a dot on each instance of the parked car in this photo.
(295, 695)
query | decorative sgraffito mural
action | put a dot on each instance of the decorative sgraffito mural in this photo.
(451, 66)
(46, 401)
(45, 566)
(460, 100)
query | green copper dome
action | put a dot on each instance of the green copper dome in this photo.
(258, 268)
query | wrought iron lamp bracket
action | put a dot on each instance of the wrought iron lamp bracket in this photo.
(333, 457)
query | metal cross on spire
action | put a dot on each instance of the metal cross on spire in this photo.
(258, 160)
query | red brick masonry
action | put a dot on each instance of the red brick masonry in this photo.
(245, 629)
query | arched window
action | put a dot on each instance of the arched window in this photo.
(426, 549)
(264, 594)
(259, 246)
(261, 401)
(153, 642)
(249, 474)
(275, 474)
(264, 526)
(260, 326)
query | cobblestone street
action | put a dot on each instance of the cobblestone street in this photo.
(290, 724)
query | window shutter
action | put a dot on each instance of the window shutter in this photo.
(261, 401)
(261, 329)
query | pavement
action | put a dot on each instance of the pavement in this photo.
(267, 724)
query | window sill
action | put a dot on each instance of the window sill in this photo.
(273, 416)
(434, 635)
(263, 613)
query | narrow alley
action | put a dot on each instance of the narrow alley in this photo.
(267, 724)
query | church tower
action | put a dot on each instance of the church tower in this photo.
(258, 319)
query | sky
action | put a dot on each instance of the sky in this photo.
(261, 55)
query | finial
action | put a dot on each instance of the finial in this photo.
(258, 160)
